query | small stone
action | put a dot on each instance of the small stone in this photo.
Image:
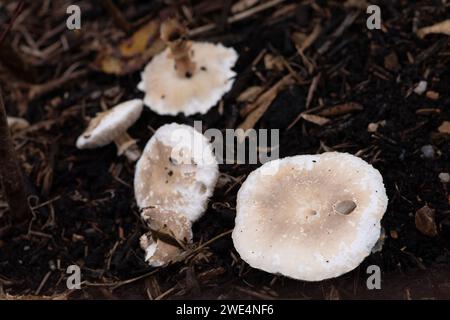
(372, 127)
(427, 151)
(444, 177)
(421, 87)
(425, 221)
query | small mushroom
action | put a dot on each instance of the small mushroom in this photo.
(170, 234)
(173, 181)
(17, 124)
(315, 217)
(188, 77)
(112, 125)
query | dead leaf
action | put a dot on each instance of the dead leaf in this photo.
(444, 127)
(440, 27)
(341, 109)
(425, 221)
(132, 53)
(315, 119)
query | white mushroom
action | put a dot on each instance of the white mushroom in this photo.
(170, 234)
(17, 124)
(187, 77)
(112, 125)
(315, 217)
(175, 177)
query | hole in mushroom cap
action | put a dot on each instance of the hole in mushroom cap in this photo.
(344, 207)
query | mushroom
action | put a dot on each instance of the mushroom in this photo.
(187, 77)
(173, 181)
(315, 217)
(170, 234)
(17, 124)
(112, 125)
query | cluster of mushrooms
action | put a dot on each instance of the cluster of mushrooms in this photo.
(308, 217)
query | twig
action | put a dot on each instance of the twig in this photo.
(237, 17)
(39, 90)
(16, 13)
(10, 173)
(348, 21)
(312, 89)
(119, 19)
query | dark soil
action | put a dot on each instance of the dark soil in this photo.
(85, 212)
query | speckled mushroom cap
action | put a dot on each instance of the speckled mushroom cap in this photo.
(177, 171)
(316, 217)
(109, 125)
(166, 93)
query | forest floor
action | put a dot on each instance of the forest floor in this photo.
(83, 201)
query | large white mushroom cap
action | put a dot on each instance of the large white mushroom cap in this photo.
(315, 217)
(177, 171)
(167, 93)
(110, 125)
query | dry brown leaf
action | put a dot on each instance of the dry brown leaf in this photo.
(442, 27)
(132, 53)
(139, 41)
(425, 221)
(260, 106)
(444, 127)
(341, 109)
(315, 119)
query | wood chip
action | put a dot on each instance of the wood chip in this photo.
(250, 94)
(391, 62)
(315, 119)
(425, 221)
(243, 5)
(444, 127)
(440, 28)
(341, 109)
(432, 95)
(272, 62)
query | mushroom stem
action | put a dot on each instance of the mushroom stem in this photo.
(127, 146)
(174, 34)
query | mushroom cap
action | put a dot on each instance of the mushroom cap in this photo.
(177, 171)
(109, 125)
(166, 93)
(315, 217)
